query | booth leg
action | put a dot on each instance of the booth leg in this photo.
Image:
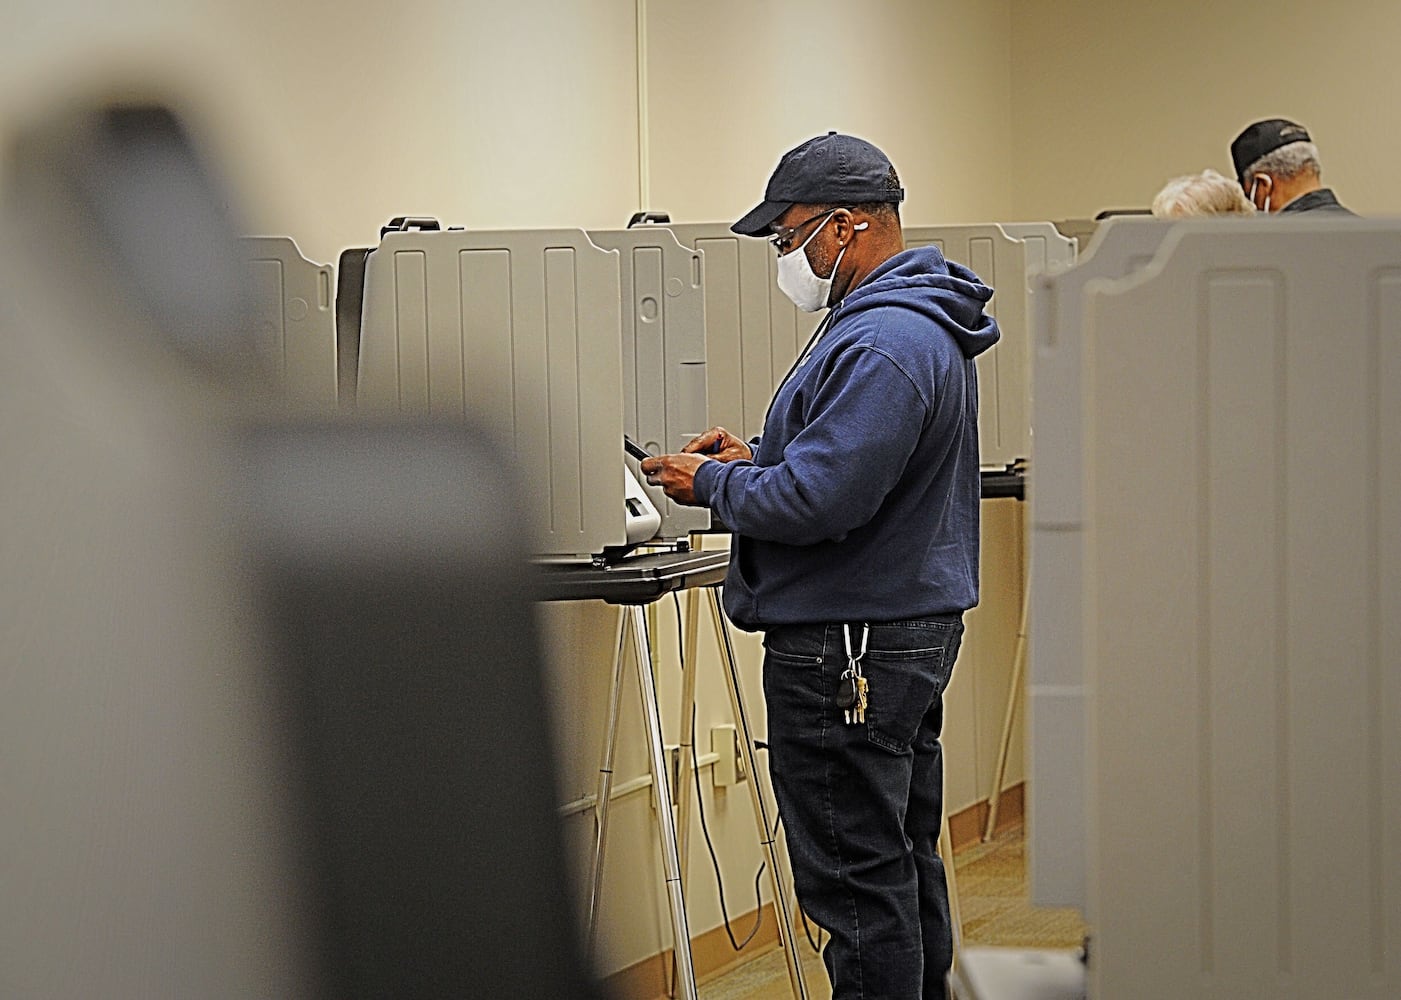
(605, 782)
(1000, 771)
(778, 867)
(685, 769)
(950, 877)
(666, 824)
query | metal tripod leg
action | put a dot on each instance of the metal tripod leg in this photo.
(778, 868)
(684, 781)
(666, 824)
(605, 783)
(1000, 771)
(955, 916)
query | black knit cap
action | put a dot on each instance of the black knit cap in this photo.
(1261, 138)
(830, 169)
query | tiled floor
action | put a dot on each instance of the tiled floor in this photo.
(996, 910)
(992, 893)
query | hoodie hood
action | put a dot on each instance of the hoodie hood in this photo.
(922, 279)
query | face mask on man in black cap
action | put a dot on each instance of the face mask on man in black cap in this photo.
(797, 279)
(826, 171)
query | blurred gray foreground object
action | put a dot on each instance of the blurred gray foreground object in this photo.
(404, 642)
(146, 840)
(272, 720)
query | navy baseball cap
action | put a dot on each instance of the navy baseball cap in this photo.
(831, 169)
(1261, 138)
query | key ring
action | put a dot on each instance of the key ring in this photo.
(853, 663)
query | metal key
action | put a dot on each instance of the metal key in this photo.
(861, 694)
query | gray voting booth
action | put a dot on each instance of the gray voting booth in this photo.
(1004, 377)
(246, 656)
(753, 332)
(1082, 231)
(1056, 691)
(294, 318)
(1215, 572)
(663, 354)
(521, 329)
(1048, 250)
(563, 341)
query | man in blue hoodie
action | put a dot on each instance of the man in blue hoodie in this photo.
(855, 549)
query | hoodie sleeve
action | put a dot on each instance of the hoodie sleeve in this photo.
(859, 430)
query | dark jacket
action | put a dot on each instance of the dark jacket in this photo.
(861, 502)
(1319, 200)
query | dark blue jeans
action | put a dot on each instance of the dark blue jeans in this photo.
(862, 805)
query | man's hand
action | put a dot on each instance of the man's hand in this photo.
(719, 444)
(676, 474)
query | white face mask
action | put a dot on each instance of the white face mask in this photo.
(1253, 181)
(797, 279)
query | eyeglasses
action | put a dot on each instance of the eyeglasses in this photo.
(782, 238)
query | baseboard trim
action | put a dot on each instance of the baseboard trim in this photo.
(966, 826)
(712, 954)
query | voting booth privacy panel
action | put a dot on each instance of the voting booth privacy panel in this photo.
(520, 331)
(562, 345)
(1057, 688)
(663, 354)
(1222, 516)
(1004, 378)
(756, 333)
(520, 328)
(1048, 251)
(753, 332)
(293, 317)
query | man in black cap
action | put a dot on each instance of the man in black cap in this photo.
(1277, 165)
(855, 549)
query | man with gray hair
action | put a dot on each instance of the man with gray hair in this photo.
(1277, 165)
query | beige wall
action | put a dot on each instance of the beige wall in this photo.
(735, 83)
(333, 117)
(1110, 99)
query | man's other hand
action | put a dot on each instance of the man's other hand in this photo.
(718, 444)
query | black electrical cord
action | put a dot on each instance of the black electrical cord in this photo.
(705, 828)
(778, 820)
(715, 862)
(807, 932)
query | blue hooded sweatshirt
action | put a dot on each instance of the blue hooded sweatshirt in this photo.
(861, 501)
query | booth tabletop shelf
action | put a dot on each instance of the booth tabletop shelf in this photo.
(633, 580)
(1001, 485)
